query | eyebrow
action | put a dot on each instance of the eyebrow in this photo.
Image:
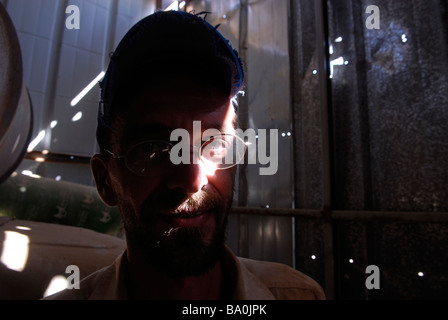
(158, 128)
(138, 132)
(147, 128)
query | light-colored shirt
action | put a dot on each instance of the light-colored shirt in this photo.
(253, 280)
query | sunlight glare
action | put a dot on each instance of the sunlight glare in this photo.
(15, 250)
(57, 283)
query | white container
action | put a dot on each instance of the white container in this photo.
(16, 118)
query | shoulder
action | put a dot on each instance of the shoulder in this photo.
(283, 281)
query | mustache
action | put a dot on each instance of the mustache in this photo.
(178, 203)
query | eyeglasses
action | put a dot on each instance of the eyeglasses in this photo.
(218, 152)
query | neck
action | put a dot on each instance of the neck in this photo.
(145, 282)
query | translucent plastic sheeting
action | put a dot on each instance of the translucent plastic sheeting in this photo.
(267, 104)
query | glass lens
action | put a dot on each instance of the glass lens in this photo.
(223, 151)
(146, 155)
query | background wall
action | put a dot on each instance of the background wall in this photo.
(59, 63)
(361, 114)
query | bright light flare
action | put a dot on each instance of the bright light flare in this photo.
(57, 283)
(36, 141)
(77, 117)
(87, 89)
(173, 6)
(336, 62)
(23, 228)
(15, 250)
(31, 174)
(209, 168)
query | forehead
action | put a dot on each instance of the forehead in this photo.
(160, 109)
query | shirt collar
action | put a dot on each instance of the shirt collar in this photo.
(112, 284)
(246, 286)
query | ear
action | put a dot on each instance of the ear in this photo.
(103, 183)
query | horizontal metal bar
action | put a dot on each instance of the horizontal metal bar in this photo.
(354, 215)
(403, 216)
(57, 157)
(284, 212)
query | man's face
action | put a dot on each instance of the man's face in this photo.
(174, 217)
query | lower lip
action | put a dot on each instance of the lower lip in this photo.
(196, 221)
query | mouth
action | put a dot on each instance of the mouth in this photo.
(186, 218)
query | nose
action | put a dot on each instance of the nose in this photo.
(190, 178)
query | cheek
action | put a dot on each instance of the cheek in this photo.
(130, 189)
(223, 181)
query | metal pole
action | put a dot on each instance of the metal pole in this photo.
(158, 5)
(243, 122)
(346, 215)
(110, 33)
(323, 66)
(53, 70)
(295, 70)
(295, 96)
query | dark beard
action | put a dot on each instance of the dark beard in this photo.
(181, 251)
